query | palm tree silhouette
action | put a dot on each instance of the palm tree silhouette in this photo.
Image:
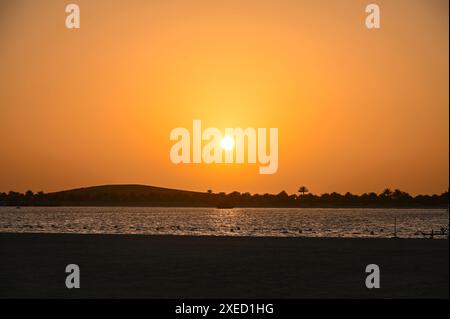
(303, 190)
(386, 193)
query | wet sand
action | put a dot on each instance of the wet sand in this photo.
(140, 266)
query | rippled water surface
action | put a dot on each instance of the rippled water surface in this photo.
(308, 222)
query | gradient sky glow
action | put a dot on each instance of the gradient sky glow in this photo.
(357, 110)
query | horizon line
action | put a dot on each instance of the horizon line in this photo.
(221, 192)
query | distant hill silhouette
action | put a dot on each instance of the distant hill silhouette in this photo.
(121, 189)
(143, 195)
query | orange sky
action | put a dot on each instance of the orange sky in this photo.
(357, 110)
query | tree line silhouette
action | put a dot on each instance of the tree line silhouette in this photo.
(136, 195)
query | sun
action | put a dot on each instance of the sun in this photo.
(227, 143)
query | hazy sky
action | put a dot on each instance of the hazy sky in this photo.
(357, 109)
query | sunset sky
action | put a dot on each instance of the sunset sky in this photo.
(357, 110)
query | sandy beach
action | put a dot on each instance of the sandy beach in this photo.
(140, 266)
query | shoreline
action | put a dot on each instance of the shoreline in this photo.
(437, 236)
(172, 266)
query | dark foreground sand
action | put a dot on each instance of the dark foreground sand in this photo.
(112, 266)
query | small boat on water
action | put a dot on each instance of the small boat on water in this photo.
(224, 206)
